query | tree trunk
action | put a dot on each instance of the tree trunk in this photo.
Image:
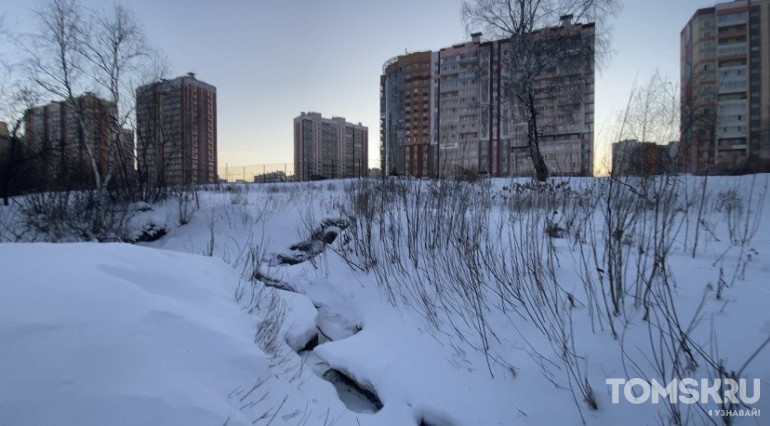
(5, 194)
(541, 170)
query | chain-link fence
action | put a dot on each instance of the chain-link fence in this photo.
(274, 172)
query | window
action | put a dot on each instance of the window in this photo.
(731, 18)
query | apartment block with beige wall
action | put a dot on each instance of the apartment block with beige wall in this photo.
(564, 100)
(326, 148)
(458, 112)
(725, 83)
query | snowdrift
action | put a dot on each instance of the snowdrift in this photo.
(118, 334)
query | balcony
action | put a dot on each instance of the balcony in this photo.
(734, 18)
(734, 49)
(733, 85)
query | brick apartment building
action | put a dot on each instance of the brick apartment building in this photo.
(63, 133)
(177, 131)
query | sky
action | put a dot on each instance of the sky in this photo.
(270, 60)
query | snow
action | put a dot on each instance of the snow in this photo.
(99, 334)
(300, 328)
(163, 332)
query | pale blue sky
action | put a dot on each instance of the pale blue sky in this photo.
(272, 59)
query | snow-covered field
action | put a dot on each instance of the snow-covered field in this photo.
(400, 303)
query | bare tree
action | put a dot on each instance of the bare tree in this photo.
(698, 112)
(115, 53)
(17, 160)
(534, 52)
(652, 112)
(15, 156)
(76, 50)
(651, 116)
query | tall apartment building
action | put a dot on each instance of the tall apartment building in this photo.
(725, 83)
(405, 114)
(475, 125)
(458, 136)
(177, 131)
(55, 132)
(329, 148)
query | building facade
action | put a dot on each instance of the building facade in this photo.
(327, 148)
(66, 137)
(458, 132)
(475, 124)
(177, 131)
(406, 98)
(631, 157)
(725, 83)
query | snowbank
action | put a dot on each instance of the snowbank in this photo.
(117, 334)
(114, 334)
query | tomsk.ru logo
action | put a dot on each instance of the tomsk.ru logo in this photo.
(685, 391)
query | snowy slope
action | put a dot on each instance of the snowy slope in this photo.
(117, 334)
(424, 375)
(154, 335)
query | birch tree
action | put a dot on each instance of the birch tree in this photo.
(530, 56)
(76, 50)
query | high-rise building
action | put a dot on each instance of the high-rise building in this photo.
(474, 123)
(68, 135)
(458, 134)
(725, 83)
(405, 114)
(177, 131)
(329, 148)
